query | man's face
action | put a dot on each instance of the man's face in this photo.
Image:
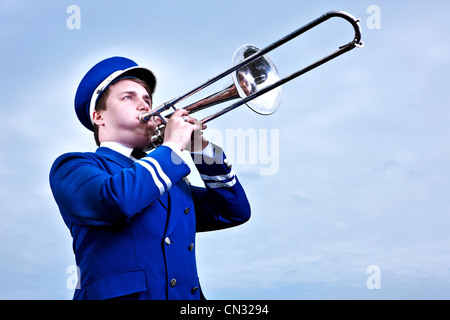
(120, 121)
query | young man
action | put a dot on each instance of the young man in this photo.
(133, 221)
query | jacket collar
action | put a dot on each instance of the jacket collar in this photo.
(114, 156)
(116, 146)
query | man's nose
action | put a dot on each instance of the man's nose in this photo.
(143, 106)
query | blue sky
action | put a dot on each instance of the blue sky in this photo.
(352, 171)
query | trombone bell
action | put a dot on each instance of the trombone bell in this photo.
(247, 80)
(255, 76)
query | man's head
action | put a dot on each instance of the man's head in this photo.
(101, 80)
(117, 110)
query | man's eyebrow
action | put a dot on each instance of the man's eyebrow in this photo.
(147, 96)
(129, 92)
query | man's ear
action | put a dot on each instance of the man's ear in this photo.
(97, 117)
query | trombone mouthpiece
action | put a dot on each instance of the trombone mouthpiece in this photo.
(144, 117)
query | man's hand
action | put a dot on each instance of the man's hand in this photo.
(198, 142)
(185, 132)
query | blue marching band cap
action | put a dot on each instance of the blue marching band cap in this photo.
(99, 77)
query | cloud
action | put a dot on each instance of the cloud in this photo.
(363, 164)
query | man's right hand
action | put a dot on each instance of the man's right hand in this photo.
(180, 127)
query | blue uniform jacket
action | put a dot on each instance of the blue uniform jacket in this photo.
(134, 223)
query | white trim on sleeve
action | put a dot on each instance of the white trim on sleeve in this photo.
(161, 173)
(218, 177)
(150, 169)
(214, 185)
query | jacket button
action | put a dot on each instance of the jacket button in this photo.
(191, 247)
(173, 282)
(186, 211)
(167, 240)
(194, 289)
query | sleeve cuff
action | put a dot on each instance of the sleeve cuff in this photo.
(208, 151)
(174, 148)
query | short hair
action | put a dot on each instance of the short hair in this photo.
(100, 105)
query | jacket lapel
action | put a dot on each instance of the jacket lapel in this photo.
(164, 201)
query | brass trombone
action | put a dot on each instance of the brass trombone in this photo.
(254, 75)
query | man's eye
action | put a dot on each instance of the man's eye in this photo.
(127, 98)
